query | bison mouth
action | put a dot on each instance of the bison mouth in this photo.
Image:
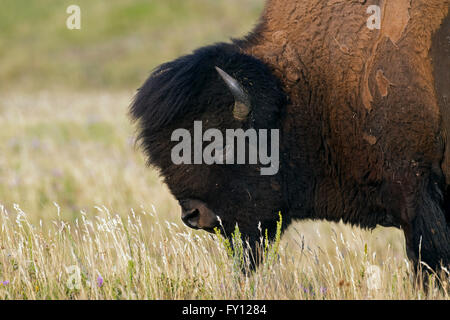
(196, 215)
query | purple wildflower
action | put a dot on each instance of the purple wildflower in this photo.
(323, 290)
(5, 282)
(99, 281)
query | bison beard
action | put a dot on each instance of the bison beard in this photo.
(364, 117)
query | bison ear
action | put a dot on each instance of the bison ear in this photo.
(242, 104)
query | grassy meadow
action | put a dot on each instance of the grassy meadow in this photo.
(82, 217)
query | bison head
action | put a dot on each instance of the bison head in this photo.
(224, 89)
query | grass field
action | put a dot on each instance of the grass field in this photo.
(81, 216)
(120, 41)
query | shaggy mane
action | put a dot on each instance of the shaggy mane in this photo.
(173, 87)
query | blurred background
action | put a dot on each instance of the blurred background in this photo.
(65, 135)
(120, 41)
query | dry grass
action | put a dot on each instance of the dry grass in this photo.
(75, 195)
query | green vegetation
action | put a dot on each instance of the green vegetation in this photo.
(119, 43)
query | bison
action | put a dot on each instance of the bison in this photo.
(363, 115)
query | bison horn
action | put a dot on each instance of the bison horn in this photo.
(242, 104)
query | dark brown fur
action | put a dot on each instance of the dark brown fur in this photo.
(365, 129)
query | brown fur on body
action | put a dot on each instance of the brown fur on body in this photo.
(364, 131)
(364, 105)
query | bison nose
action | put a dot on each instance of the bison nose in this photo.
(190, 218)
(196, 215)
